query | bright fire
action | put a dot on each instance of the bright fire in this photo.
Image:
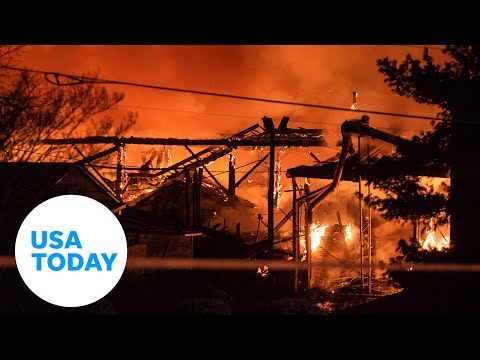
(316, 234)
(433, 242)
(348, 233)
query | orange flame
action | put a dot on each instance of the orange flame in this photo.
(277, 189)
(263, 271)
(348, 233)
(432, 242)
(316, 234)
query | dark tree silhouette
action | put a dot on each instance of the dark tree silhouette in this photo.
(399, 177)
(31, 110)
(451, 145)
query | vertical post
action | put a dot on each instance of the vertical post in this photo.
(295, 234)
(271, 184)
(415, 230)
(360, 219)
(119, 175)
(231, 178)
(308, 243)
(187, 197)
(369, 231)
(198, 207)
(194, 198)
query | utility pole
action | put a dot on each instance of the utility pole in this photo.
(369, 230)
(269, 127)
(360, 212)
(271, 185)
(119, 183)
(198, 206)
(187, 198)
(231, 178)
(295, 240)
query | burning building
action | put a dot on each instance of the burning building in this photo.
(175, 205)
(326, 239)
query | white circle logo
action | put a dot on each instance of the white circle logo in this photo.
(71, 250)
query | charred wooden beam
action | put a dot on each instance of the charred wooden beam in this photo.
(326, 170)
(361, 127)
(317, 160)
(261, 141)
(184, 161)
(271, 185)
(310, 195)
(209, 173)
(268, 123)
(300, 131)
(198, 203)
(259, 162)
(89, 159)
(212, 149)
(195, 198)
(199, 163)
(94, 169)
(246, 131)
(119, 185)
(295, 234)
(231, 178)
(187, 198)
(339, 218)
(283, 123)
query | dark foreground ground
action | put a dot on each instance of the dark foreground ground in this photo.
(170, 293)
(241, 293)
(430, 294)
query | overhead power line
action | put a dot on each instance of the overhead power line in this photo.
(56, 79)
(156, 108)
(425, 46)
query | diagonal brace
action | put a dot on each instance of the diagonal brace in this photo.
(251, 170)
(223, 188)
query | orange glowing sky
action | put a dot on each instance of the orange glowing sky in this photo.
(320, 74)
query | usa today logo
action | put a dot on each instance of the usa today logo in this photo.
(71, 250)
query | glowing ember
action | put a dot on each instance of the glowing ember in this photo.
(277, 189)
(303, 246)
(354, 101)
(122, 176)
(304, 256)
(263, 271)
(169, 158)
(316, 234)
(232, 157)
(433, 242)
(348, 233)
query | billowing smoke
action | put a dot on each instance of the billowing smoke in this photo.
(313, 74)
